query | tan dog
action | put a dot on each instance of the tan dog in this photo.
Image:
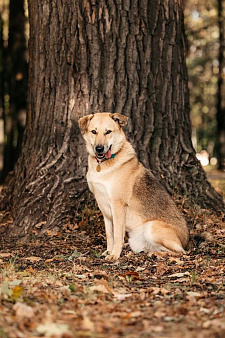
(129, 196)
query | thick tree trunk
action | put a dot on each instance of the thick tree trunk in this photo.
(221, 88)
(88, 56)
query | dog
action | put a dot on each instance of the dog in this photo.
(128, 194)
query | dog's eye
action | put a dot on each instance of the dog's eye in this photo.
(94, 132)
(108, 132)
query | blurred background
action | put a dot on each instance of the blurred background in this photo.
(204, 24)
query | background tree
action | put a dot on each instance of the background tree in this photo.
(2, 82)
(16, 85)
(205, 31)
(89, 56)
(202, 31)
(1, 92)
(221, 88)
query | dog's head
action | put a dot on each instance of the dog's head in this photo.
(103, 133)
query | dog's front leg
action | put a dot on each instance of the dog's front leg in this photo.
(119, 218)
(109, 234)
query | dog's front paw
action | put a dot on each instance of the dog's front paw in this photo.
(106, 253)
(111, 258)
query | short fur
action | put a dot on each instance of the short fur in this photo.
(129, 196)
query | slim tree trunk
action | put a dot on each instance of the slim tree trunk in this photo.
(17, 77)
(88, 56)
(2, 92)
(221, 90)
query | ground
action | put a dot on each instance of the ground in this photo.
(59, 285)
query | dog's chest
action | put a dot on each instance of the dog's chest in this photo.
(102, 190)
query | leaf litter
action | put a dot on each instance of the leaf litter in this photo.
(61, 286)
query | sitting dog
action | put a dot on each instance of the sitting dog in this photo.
(130, 197)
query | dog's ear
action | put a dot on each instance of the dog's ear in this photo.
(120, 119)
(83, 122)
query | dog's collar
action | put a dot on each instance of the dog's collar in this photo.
(98, 168)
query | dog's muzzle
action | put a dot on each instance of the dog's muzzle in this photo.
(99, 151)
(100, 154)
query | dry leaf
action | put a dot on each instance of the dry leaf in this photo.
(87, 324)
(23, 310)
(164, 291)
(154, 290)
(179, 274)
(17, 292)
(194, 294)
(122, 296)
(33, 259)
(50, 329)
(5, 254)
(99, 288)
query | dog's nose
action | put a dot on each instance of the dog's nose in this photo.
(99, 149)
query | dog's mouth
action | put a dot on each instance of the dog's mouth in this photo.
(104, 156)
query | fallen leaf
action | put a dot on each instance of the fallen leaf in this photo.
(80, 276)
(99, 288)
(49, 260)
(132, 275)
(4, 290)
(17, 292)
(15, 282)
(194, 294)
(217, 323)
(122, 296)
(203, 309)
(154, 290)
(5, 254)
(87, 324)
(23, 310)
(135, 314)
(179, 274)
(164, 291)
(33, 259)
(140, 269)
(50, 329)
(176, 260)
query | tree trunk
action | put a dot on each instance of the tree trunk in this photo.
(221, 90)
(2, 92)
(16, 77)
(90, 56)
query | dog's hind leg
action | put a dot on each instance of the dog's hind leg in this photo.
(137, 240)
(162, 237)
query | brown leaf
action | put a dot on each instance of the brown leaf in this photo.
(33, 259)
(23, 310)
(5, 254)
(133, 274)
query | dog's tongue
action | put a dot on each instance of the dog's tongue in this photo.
(108, 154)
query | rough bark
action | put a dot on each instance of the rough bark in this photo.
(221, 88)
(88, 56)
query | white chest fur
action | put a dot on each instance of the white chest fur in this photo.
(101, 187)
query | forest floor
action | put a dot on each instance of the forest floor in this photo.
(60, 286)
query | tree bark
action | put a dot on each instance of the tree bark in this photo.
(92, 56)
(221, 88)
